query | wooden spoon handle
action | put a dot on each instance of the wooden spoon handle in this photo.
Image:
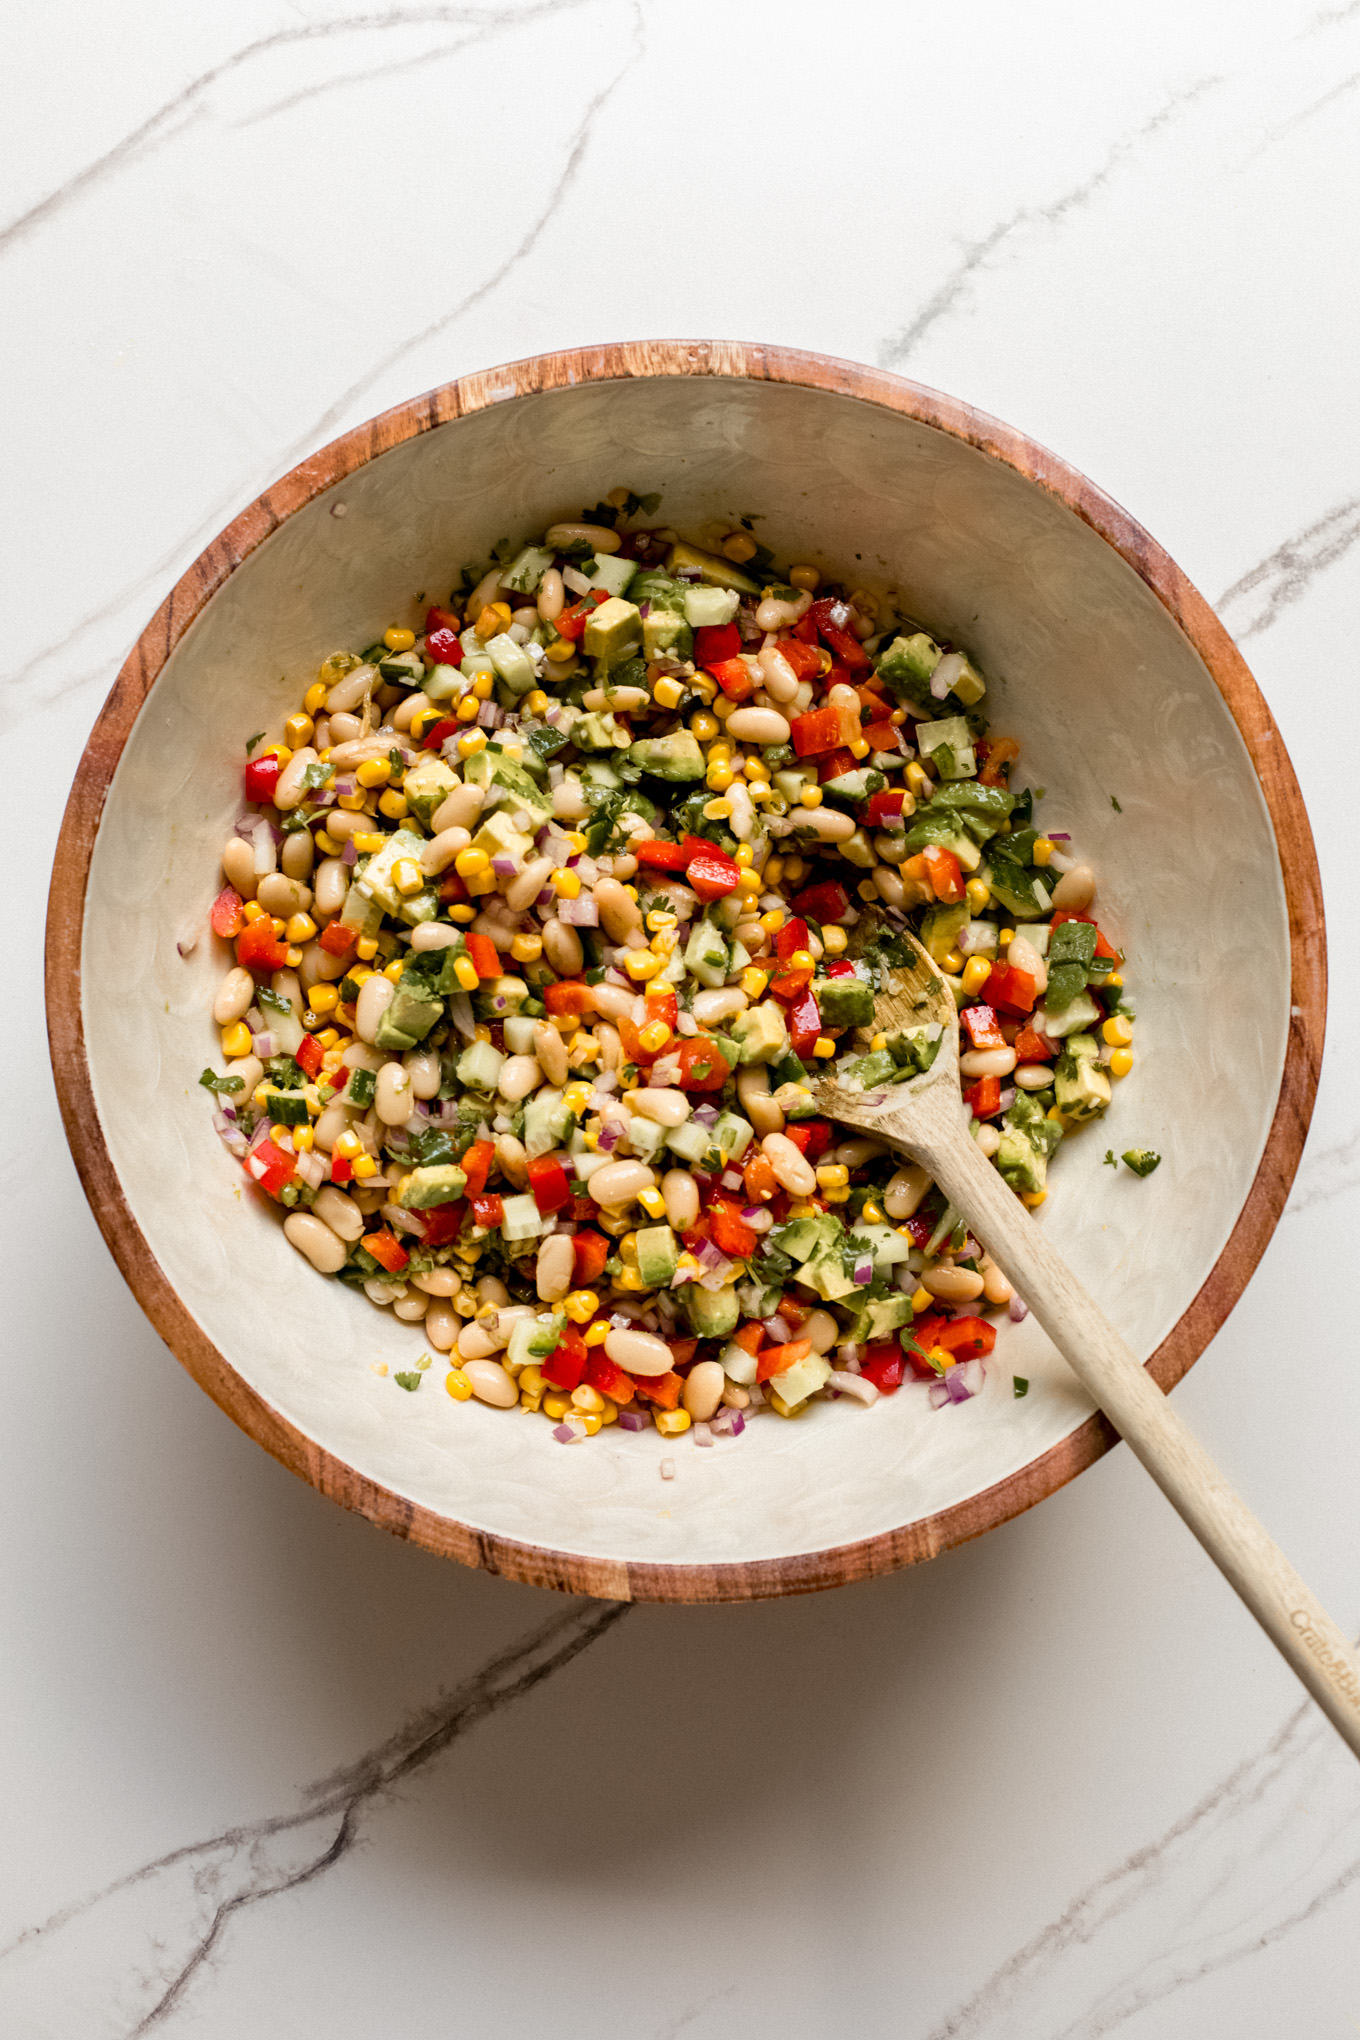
(1298, 1625)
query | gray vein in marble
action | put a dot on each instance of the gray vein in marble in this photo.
(1284, 576)
(1326, 1173)
(343, 79)
(169, 120)
(1272, 1844)
(677, 2025)
(976, 255)
(1305, 113)
(243, 1866)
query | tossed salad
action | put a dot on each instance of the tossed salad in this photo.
(546, 917)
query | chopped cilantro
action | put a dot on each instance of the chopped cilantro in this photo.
(273, 1002)
(407, 1381)
(212, 1082)
(1109, 1158)
(251, 742)
(1115, 805)
(1019, 1385)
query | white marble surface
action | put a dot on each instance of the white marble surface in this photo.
(1053, 1784)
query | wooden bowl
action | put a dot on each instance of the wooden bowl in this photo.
(1123, 687)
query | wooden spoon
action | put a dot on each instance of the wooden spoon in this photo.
(926, 1118)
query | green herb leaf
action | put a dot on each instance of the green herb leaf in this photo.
(212, 1082)
(1115, 805)
(1110, 1159)
(251, 742)
(1019, 1385)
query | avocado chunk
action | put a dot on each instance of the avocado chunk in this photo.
(376, 876)
(852, 789)
(598, 731)
(407, 1020)
(1141, 1160)
(706, 607)
(499, 837)
(505, 783)
(1081, 1088)
(826, 1273)
(907, 665)
(802, 1238)
(676, 757)
(844, 1001)
(1028, 1138)
(940, 930)
(443, 1183)
(948, 744)
(657, 1257)
(712, 1313)
(665, 635)
(914, 1049)
(761, 1032)
(879, 1320)
(718, 572)
(614, 631)
(426, 785)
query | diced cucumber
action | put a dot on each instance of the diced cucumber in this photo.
(706, 954)
(731, 1135)
(527, 569)
(689, 1141)
(647, 1138)
(479, 1066)
(534, 1338)
(521, 1219)
(706, 607)
(519, 1035)
(548, 1119)
(612, 573)
(512, 663)
(738, 1365)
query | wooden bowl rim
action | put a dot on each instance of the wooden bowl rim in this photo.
(537, 1565)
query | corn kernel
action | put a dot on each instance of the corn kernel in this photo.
(805, 577)
(668, 693)
(576, 841)
(718, 779)
(834, 940)
(1006, 937)
(976, 972)
(859, 748)
(474, 741)
(366, 948)
(557, 1405)
(494, 619)
(951, 962)
(918, 779)
(482, 688)
(756, 768)
(368, 841)
(610, 1413)
(532, 1403)
(300, 928)
(303, 1139)
(1033, 1198)
(921, 1300)
(279, 751)
(800, 959)
(705, 686)
(407, 877)
(598, 1333)
(1117, 1031)
(324, 998)
(1121, 1062)
(373, 772)
(526, 948)
(824, 1047)
(292, 957)
(773, 921)
(392, 804)
(739, 546)
(795, 869)
(811, 796)
(867, 890)
(398, 638)
(566, 884)
(465, 970)
(581, 1305)
(671, 1423)
(750, 883)
(352, 802)
(834, 1196)
(469, 863)
(462, 914)
(236, 1039)
(979, 896)
(364, 1167)
(326, 845)
(587, 1398)
(253, 911)
(395, 968)
(652, 1203)
(466, 709)
(315, 697)
(898, 717)
(298, 730)
(753, 981)
(658, 919)
(870, 1213)
(457, 1384)
(560, 650)
(641, 964)
(654, 1036)
(833, 1175)
(348, 1144)
(1042, 850)
(722, 707)
(760, 791)
(703, 726)
(744, 855)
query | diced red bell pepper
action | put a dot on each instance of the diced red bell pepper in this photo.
(437, 618)
(662, 1389)
(734, 678)
(262, 776)
(338, 940)
(1010, 988)
(984, 1029)
(453, 889)
(438, 734)
(476, 1165)
(824, 729)
(832, 764)
(661, 856)
(569, 995)
(308, 1055)
(572, 622)
(885, 806)
(750, 1338)
(488, 1211)
(837, 637)
(228, 916)
(714, 875)
(984, 1097)
(703, 1066)
(882, 736)
(1031, 1047)
(805, 630)
(442, 1223)
(482, 951)
(729, 1231)
(683, 1350)
(1103, 948)
(715, 642)
(443, 645)
(811, 1137)
(805, 1024)
(838, 967)
(270, 1167)
(926, 1329)
(883, 1365)
(788, 985)
(921, 1226)
(590, 1251)
(602, 1374)
(968, 1338)
(566, 1364)
(259, 948)
(945, 874)
(805, 659)
(1001, 753)
(548, 1182)
(793, 935)
(341, 1171)
(386, 1250)
(662, 1006)
(776, 1359)
(824, 903)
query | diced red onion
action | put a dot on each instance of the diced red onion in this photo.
(703, 1435)
(864, 1273)
(1017, 1310)
(750, 1211)
(263, 1045)
(945, 674)
(956, 1385)
(939, 1395)
(976, 938)
(609, 1138)
(488, 716)
(779, 1329)
(261, 1133)
(524, 822)
(568, 1434)
(312, 1170)
(1058, 836)
(345, 785)
(579, 913)
(731, 1180)
(504, 867)
(706, 1115)
(738, 1422)
(401, 1219)
(188, 942)
(1007, 1099)
(973, 1375)
(350, 853)
(633, 1420)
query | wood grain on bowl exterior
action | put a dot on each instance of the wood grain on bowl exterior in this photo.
(566, 1571)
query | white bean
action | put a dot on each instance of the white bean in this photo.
(562, 948)
(724, 1004)
(598, 537)
(478, 1342)
(552, 596)
(412, 1307)
(327, 1130)
(406, 711)
(288, 786)
(513, 1160)
(439, 1282)
(619, 913)
(680, 1194)
(319, 966)
(889, 886)
(394, 1099)
(422, 1067)
(442, 1325)
(283, 896)
(794, 1174)
(332, 884)
(553, 1268)
(1034, 1076)
(703, 1390)
(459, 808)
(821, 1328)
(434, 935)
(841, 696)
(569, 800)
(626, 699)
(285, 984)
(238, 866)
(491, 1384)
(666, 1108)
(638, 1352)
(781, 682)
(753, 1090)
(440, 851)
(988, 1139)
(520, 1074)
(618, 1183)
(525, 887)
(343, 729)
(375, 996)
(827, 822)
(250, 1070)
(490, 1289)
(342, 823)
(235, 996)
(759, 725)
(905, 1191)
(995, 1287)
(1075, 890)
(312, 1237)
(1023, 955)
(350, 691)
(551, 1051)
(987, 1062)
(339, 1212)
(772, 614)
(953, 1285)
(610, 1046)
(297, 854)
(612, 1000)
(853, 1154)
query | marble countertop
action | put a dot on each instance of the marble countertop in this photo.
(268, 1772)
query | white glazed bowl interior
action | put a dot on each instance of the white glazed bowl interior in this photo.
(1110, 702)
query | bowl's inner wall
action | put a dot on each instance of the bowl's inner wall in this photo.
(1110, 702)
